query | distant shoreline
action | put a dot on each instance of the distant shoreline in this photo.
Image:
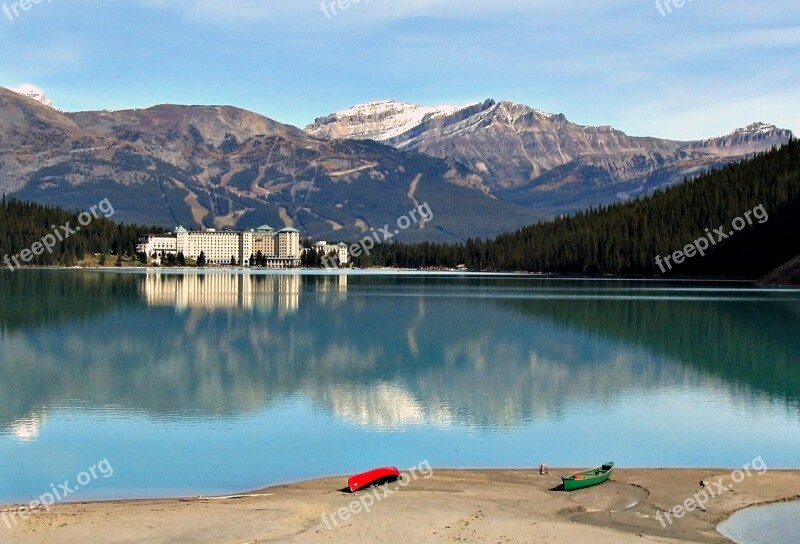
(773, 282)
(327, 271)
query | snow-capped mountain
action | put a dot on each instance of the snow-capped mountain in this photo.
(522, 153)
(381, 121)
(33, 92)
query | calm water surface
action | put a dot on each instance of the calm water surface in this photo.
(209, 383)
(772, 524)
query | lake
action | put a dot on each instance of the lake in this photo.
(190, 383)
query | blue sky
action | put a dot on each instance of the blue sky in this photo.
(702, 69)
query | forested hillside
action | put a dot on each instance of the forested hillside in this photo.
(622, 239)
(626, 238)
(24, 223)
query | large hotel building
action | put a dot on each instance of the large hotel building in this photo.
(281, 249)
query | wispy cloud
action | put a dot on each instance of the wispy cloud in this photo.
(46, 60)
(240, 11)
(256, 11)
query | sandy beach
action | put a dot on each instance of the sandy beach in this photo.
(449, 506)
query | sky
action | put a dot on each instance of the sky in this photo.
(694, 71)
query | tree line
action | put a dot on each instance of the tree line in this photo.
(23, 224)
(626, 238)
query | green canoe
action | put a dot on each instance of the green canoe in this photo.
(588, 478)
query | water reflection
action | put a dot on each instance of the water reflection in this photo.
(28, 428)
(385, 406)
(749, 338)
(383, 352)
(173, 374)
(218, 290)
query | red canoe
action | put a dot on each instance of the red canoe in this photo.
(372, 477)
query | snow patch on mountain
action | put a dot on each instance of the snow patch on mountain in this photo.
(381, 120)
(755, 128)
(33, 92)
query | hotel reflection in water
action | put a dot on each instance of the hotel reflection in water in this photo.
(220, 290)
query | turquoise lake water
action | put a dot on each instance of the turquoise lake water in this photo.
(203, 383)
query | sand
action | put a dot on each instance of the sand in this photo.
(497, 506)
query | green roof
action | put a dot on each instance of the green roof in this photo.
(288, 229)
(181, 230)
(263, 228)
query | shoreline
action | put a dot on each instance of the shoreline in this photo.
(238, 269)
(476, 505)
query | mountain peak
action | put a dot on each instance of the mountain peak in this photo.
(33, 92)
(394, 107)
(379, 120)
(752, 138)
(378, 106)
(208, 124)
(759, 127)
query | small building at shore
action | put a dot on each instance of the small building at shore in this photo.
(339, 250)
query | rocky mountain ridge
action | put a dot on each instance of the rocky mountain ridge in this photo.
(224, 167)
(491, 166)
(518, 150)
